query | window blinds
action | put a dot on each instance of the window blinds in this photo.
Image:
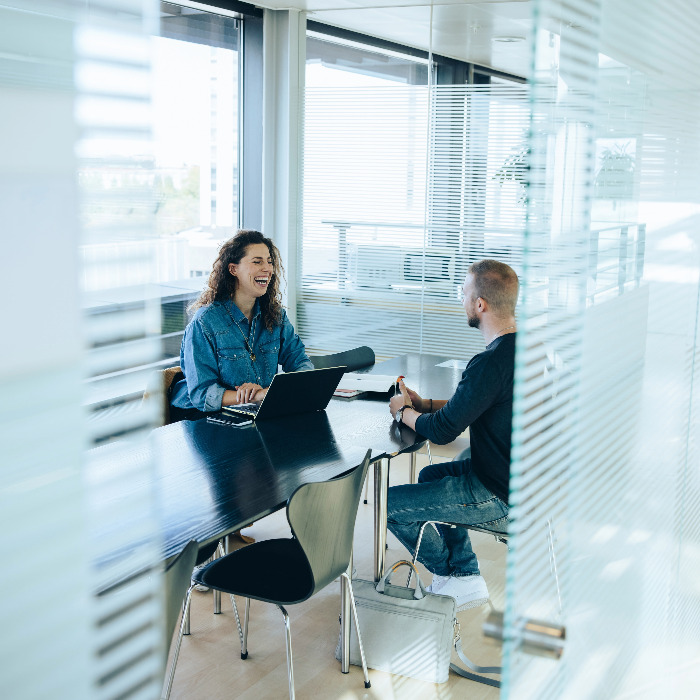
(404, 187)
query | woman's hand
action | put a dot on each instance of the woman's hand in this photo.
(249, 391)
(259, 395)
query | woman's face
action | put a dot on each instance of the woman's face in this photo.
(254, 272)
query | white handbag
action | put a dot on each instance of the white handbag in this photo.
(405, 631)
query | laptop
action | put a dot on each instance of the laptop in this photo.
(293, 392)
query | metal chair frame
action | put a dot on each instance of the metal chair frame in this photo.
(184, 628)
(502, 537)
(299, 505)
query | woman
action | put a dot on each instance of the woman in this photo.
(239, 333)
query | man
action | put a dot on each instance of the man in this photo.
(473, 491)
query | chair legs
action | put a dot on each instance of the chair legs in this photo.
(176, 651)
(357, 630)
(290, 665)
(288, 636)
(217, 595)
(244, 634)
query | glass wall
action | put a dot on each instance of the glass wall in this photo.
(584, 179)
(605, 416)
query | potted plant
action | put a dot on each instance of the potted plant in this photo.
(615, 176)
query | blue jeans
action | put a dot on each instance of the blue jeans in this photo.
(449, 492)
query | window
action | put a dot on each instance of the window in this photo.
(401, 191)
(178, 190)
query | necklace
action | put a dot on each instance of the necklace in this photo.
(246, 339)
(507, 328)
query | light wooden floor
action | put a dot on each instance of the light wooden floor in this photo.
(210, 665)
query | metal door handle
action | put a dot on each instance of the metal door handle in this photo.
(538, 637)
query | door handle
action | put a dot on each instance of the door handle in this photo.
(537, 637)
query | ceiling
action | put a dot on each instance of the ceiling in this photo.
(492, 33)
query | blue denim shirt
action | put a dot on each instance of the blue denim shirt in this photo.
(213, 354)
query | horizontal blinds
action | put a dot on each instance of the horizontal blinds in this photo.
(402, 190)
(605, 421)
(122, 329)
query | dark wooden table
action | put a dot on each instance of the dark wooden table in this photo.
(210, 479)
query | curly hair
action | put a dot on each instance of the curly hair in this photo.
(222, 284)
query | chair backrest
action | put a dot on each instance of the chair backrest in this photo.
(322, 517)
(159, 383)
(178, 573)
(352, 359)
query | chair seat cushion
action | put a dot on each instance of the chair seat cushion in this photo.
(275, 571)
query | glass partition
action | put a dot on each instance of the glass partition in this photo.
(584, 179)
(605, 464)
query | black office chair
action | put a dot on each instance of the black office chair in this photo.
(357, 358)
(178, 572)
(287, 571)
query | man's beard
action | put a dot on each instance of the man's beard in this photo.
(473, 321)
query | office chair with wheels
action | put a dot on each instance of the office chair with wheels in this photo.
(287, 571)
(178, 573)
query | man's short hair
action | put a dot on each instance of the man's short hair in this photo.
(497, 284)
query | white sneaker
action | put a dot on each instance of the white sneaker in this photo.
(468, 591)
(437, 583)
(199, 586)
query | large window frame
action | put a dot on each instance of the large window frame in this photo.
(166, 302)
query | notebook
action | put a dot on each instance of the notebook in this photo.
(293, 392)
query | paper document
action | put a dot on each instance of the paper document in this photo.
(382, 383)
(453, 364)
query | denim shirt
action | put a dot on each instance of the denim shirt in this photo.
(213, 354)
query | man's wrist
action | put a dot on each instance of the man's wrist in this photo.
(399, 413)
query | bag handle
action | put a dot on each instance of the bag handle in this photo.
(419, 591)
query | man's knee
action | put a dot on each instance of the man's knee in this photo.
(433, 472)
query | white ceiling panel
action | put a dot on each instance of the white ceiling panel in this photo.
(470, 32)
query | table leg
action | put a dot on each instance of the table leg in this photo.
(414, 468)
(217, 594)
(345, 620)
(381, 486)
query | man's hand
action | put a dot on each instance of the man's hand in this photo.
(249, 391)
(402, 399)
(416, 401)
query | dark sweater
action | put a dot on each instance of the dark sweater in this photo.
(482, 402)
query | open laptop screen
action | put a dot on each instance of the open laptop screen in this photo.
(294, 392)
